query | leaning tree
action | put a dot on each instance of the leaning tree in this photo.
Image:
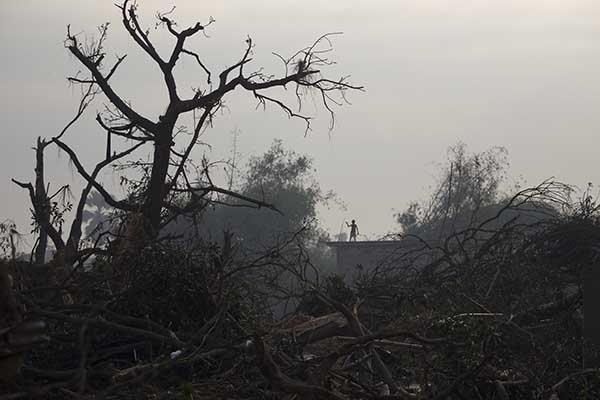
(167, 178)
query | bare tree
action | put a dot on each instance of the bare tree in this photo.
(167, 173)
(46, 213)
(41, 201)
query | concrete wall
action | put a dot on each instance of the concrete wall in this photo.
(353, 257)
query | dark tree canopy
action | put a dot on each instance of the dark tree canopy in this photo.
(468, 188)
(278, 177)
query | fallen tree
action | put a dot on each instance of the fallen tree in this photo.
(188, 323)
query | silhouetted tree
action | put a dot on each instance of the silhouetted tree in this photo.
(167, 173)
(279, 177)
(469, 184)
(48, 209)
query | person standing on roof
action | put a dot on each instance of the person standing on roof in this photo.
(353, 230)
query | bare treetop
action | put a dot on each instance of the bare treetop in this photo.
(304, 70)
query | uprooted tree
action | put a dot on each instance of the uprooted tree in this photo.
(491, 310)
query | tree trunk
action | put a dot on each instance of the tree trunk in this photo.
(143, 226)
(43, 205)
(155, 194)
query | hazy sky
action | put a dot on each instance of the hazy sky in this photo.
(516, 73)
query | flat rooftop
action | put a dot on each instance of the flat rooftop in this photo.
(375, 243)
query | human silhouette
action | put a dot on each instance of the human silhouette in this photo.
(353, 230)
